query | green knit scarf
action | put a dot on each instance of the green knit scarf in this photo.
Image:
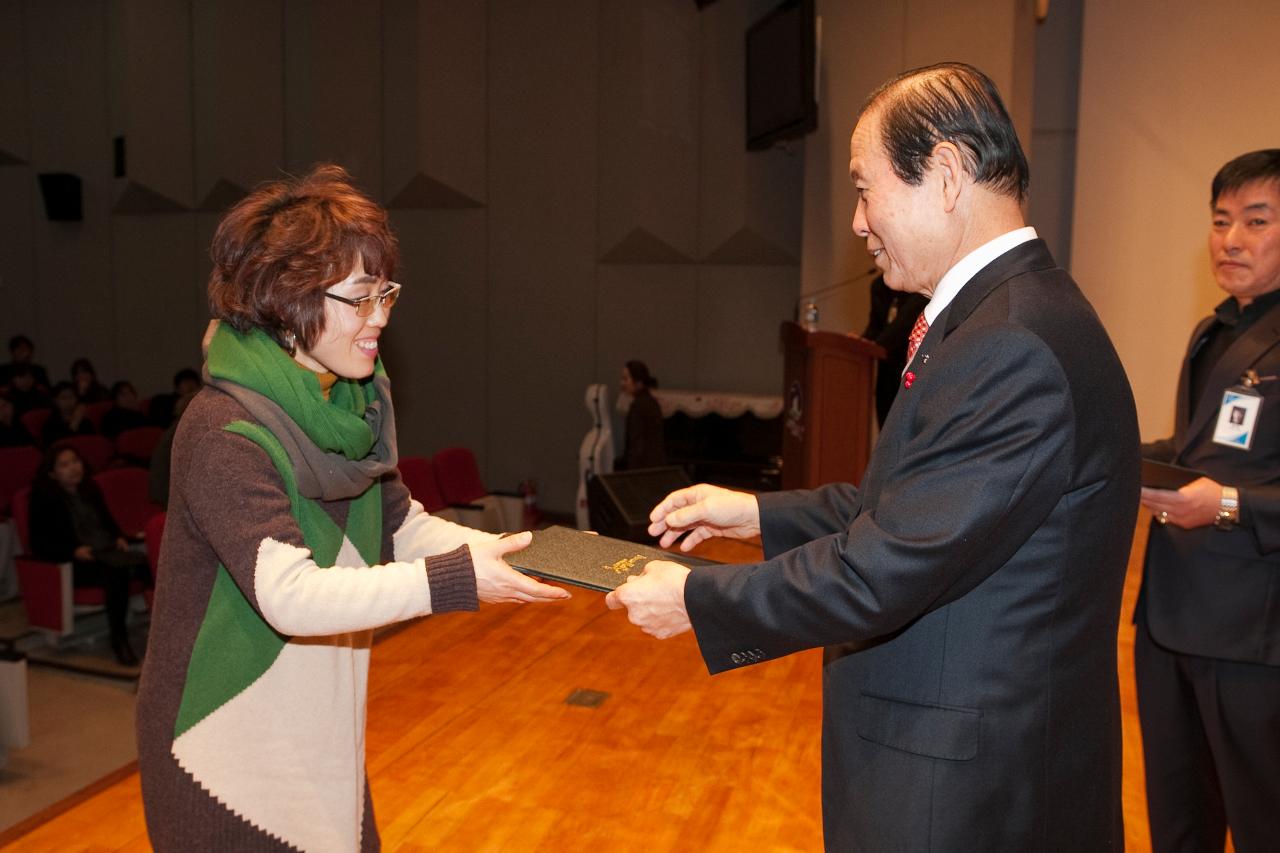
(235, 646)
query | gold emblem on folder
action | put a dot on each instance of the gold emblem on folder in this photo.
(623, 566)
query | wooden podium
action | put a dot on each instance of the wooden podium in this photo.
(828, 402)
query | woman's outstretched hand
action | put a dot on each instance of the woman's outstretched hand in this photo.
(497, 582)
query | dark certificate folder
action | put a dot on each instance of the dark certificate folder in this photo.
(1162, 475)
(584, 559)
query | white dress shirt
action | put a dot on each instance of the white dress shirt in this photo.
(967, 267)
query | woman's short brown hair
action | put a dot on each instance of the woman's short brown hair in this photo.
(278, 250)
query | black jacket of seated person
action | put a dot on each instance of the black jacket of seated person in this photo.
(62, 521)
(118, 419)
(66, 419)
(12, 432)
(15, 435)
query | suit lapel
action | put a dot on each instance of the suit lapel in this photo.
(1261, 337)
(1025, 257)
(1185, 406)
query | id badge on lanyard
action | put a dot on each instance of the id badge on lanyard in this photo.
(1238, 416)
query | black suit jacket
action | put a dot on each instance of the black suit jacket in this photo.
(971, 588)
(1206, 591)
(53, 532)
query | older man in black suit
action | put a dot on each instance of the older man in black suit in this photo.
(1207, 651)
(969, 591)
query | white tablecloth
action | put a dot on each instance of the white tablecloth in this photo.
(697, 404)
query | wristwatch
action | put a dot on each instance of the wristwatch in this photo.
(1228, 509)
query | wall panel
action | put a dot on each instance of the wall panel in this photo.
(151, 95)
(20, 292)
(434, 120)
(160, 312)
(648, 132)
(750, 211)
(238, 97)
(435, 348)
(15, 144)
(333, 87)
(1057, 96)
(69, 133)
(740, 310)
(542, 201)
(19, 204)
(648, 313)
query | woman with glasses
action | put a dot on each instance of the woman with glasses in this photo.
(290, 536)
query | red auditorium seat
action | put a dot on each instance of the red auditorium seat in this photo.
(420, 479)
(125, 491)
(153, 533)
(458, 476)
(17, 466)
(48, 594)
(34, 421)
(95, 412)
(135, 445)
(95, 450)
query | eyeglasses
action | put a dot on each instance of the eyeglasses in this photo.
(364, 305)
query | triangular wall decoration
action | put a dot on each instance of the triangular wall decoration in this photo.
(425, 193)
(222, 195)
(641, 246)
(137, 198)
(747, 248)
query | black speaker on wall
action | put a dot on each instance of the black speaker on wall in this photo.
(119, 166)
(618, 504)
(61, 192)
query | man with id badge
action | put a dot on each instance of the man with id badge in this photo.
(1207, 648)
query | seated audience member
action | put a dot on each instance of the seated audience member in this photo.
(125, 412)
(68, 417)
(70, 522)
(85, 380)
(21, 350)
(12, 432)
(643, 446)
(164, 407)
(23, 391)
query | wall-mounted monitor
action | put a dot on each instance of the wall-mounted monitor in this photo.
(782, 73)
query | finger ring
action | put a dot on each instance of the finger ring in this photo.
(1163, 518)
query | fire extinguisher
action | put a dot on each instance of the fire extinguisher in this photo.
(530, 516)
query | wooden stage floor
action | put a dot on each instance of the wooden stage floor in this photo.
(471, 745)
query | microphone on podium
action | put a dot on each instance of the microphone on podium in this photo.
(807, 312)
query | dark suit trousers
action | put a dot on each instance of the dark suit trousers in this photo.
(1211, 734)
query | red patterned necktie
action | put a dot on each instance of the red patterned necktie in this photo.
(918, 331)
